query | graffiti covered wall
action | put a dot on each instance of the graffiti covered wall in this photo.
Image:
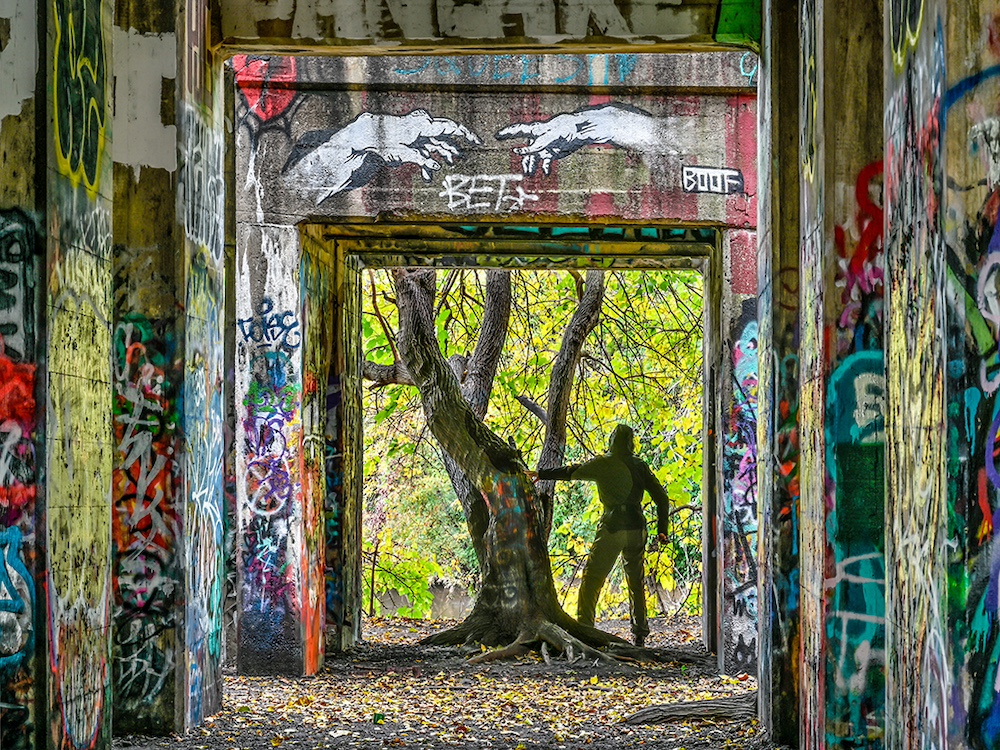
(334, 152)
(312, 141)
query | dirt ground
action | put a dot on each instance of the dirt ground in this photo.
(392, 692)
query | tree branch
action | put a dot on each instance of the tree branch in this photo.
(383, 375)
(481, 368)
(561, 382)
(534, 408)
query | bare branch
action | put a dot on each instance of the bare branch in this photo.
(534, 408)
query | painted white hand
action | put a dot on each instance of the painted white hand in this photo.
(331, 162)
(415, 138)
(565, 134)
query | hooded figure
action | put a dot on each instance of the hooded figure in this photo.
(621, 480)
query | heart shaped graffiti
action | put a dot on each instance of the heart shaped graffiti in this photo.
(265, 83)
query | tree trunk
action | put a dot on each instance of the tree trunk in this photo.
(561, 385)
(518, 604)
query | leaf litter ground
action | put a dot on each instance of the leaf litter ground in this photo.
(391, 692)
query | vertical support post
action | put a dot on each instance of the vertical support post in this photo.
(737, 513)
(842, 377)
(967, 154)
(317, 302)
(23, 209)
(778, 402)
(167, 367)
(77, 389)
(201, 217)
(853, 411)
(811, 377)
(280, 532)
(344, 565)
(147, 371)
(711, 543)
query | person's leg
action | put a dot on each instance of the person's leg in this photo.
(607, 545)
(633, 553)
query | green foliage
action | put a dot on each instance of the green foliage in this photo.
(641, 365)
(390, 566)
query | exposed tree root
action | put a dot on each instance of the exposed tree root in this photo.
(566, 637)
(736, 707)
(519, 647)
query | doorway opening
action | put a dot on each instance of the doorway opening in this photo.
(644, 363)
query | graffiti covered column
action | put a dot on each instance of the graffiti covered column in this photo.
(915, 419)
(147, 367)
(201, 219)
(943, 148)
(843, 380)
(22, 532)
(738, 510)
(79, 447)
(167, 369)
(778, 394)
(273, 507)
(855, 396)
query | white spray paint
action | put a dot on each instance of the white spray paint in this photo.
(142, 63)
(19, 58)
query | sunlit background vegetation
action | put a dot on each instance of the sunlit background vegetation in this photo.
(641, 365)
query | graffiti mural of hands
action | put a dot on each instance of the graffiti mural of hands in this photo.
(549, 140)
(329, 162)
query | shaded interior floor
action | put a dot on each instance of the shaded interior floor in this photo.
(392, 692)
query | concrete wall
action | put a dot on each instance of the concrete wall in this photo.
(333, 152)
(378, 24)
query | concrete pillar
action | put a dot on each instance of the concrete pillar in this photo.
(778, 399)
(737, 512)
(148, 376)
(168, 358)
(942, 170)
(201, 219)
(77, 391)
(22, 293)
(915, 424)
(282, 342)
(842, 378)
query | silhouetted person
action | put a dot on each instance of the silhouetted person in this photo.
(621, 479)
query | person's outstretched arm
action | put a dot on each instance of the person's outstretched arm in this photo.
(561, 472)
(662, 501)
